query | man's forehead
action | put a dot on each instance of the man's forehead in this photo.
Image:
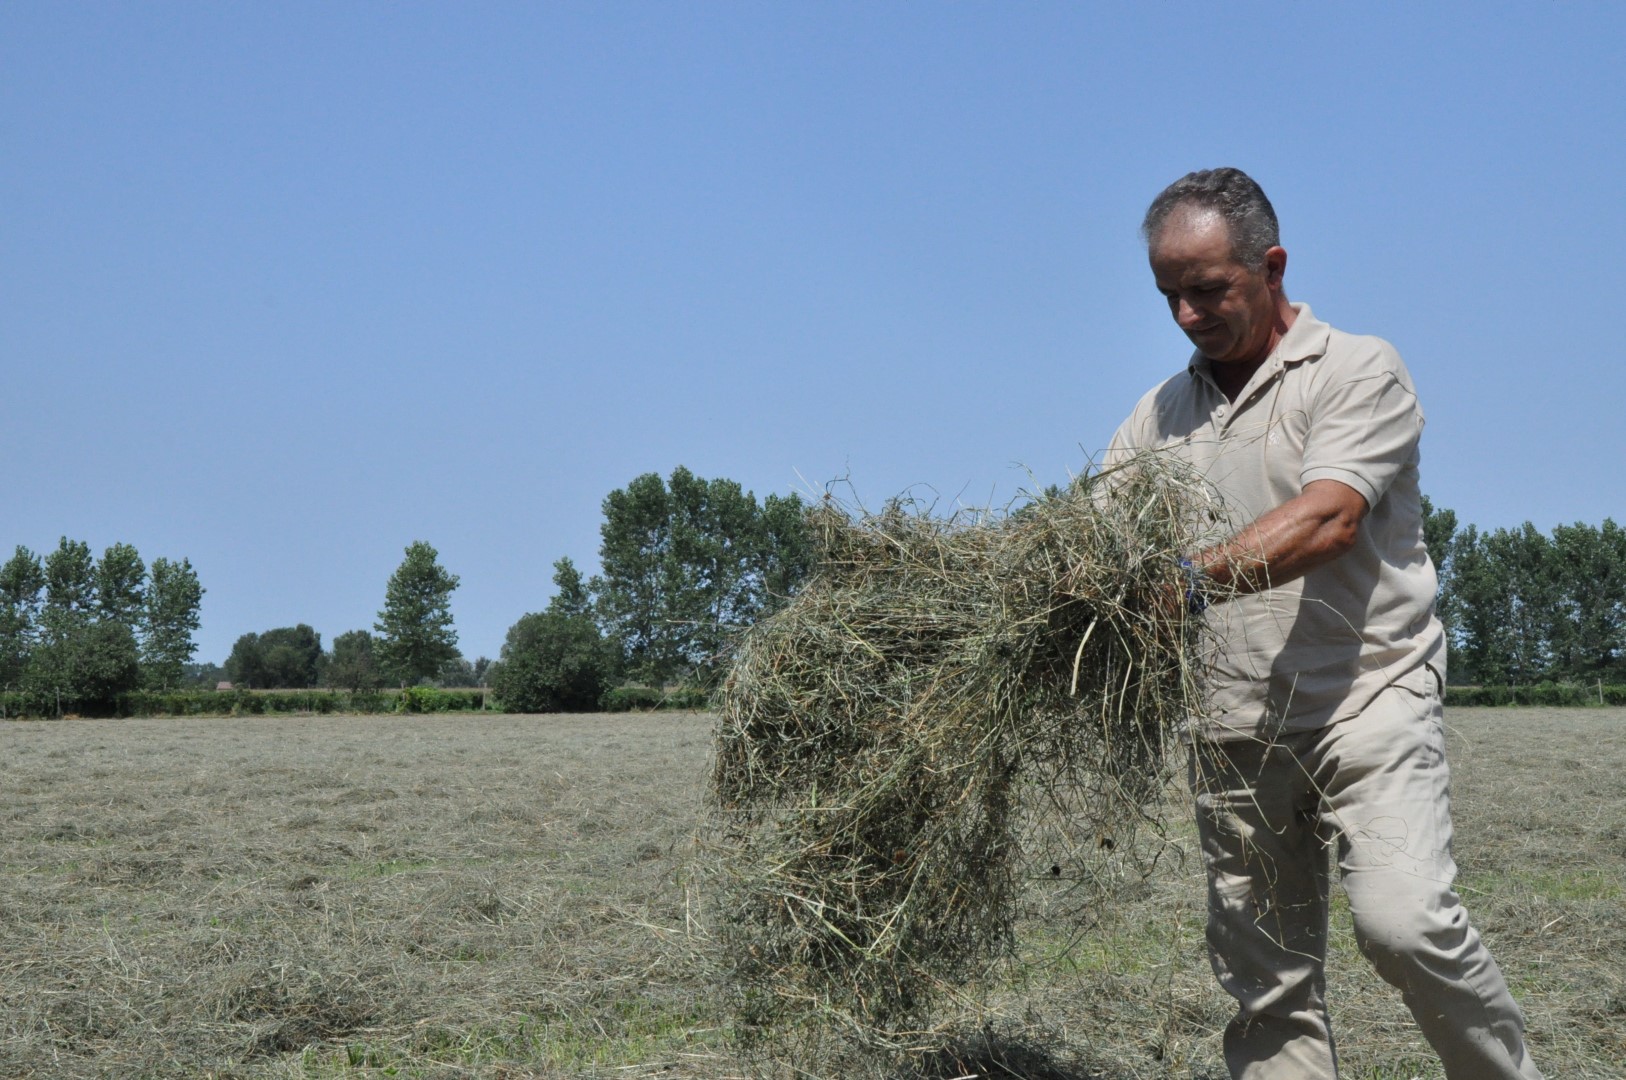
(1192, 225)
(1192, 233)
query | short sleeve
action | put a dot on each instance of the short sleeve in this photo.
(1363, 431)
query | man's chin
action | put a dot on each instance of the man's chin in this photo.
(1211, 351)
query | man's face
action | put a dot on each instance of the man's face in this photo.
(1227, 310)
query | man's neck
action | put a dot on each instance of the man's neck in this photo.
(1232, 376)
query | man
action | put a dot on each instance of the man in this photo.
(1328, 661)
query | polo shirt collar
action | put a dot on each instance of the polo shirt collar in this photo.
(1306, 339)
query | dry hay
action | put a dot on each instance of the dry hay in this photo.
(949, 707)
(242, 898)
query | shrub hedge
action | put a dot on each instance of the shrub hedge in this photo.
(415, 699)
(1546, 693)
(429, 699)
(645, 698)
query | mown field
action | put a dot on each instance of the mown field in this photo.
(510, 897)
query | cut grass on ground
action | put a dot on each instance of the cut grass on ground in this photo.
(433, 896)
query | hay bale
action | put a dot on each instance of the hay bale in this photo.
(939, 694)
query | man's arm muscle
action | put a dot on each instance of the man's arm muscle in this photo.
(1307, 531)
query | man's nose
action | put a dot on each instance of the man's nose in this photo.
(1185, 316)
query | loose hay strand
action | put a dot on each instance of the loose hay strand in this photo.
(946, 700)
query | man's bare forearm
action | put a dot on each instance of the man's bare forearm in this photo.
(1307, 531)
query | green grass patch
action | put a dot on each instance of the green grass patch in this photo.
(631, 1031)
(385, 868)
(1580, 885)
(1119, 948)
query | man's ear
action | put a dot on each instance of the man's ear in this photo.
(1275, 266)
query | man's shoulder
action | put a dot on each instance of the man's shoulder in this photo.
(1174, 392)
(1156, 411)
(1353, 371)
(1356, 356)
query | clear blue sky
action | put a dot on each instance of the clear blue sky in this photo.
(285, 287)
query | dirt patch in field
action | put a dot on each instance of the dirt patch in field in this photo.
(504, 897)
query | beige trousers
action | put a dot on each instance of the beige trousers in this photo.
(1377, 786)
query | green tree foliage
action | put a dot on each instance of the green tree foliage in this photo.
(174, 600)
(287, 658)
(121, 579)
(204, 676)
(1589, 640)
(553, 662)
(689, 562)
(1528, 608)
(84, 667)
(70, 588)
(455, 674)
(293, 657)
(556, 660)
(1439, 537)
(354, 663)
(415, 626)
(245, 667)
(785, 556)
(571, 595)
(22, 581)
(1503, 588)
(65, 623)
(635, 554)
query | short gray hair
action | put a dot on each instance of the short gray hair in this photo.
(1235, 197)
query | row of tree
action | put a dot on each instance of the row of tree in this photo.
(686, 563)
(292, 658)
(415, 641)
(76, 631)
(1524, 607)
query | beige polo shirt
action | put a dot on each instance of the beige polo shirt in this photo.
(1325, 405)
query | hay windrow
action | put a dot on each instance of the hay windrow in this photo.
(946, 701)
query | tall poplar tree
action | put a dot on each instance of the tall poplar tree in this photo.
(415, 627)
(22, 580)
(172, 615)
(70, 588)
(121, 586)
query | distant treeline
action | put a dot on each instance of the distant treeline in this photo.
(686, 565)
(415, 644)
(77, 633)
(1552, 694)
(1524, 608)
(412, 699)
(430, 699)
